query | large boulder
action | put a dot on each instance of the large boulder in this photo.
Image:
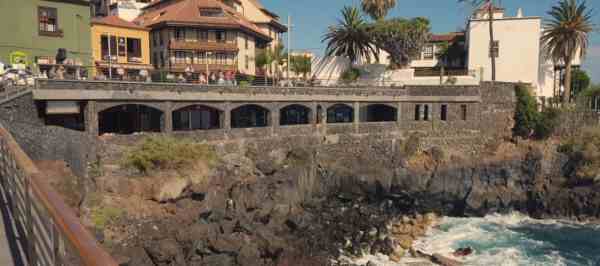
(171, 189)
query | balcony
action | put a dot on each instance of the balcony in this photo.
(202, 67)
(203, 46)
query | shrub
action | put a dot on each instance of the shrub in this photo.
(102, 216)
(163, 152)
(350, 75)
(526, 114)
(547, 123)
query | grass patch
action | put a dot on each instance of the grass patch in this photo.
(167, 153)
(102, 216)
(584, 154)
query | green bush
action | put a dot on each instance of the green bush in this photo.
(526, 114)
(350, 75)
(102, 216)
(163, 152)
(547, 122)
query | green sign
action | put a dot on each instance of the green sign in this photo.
(18, 57)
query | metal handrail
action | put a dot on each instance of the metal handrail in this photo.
(50, 232)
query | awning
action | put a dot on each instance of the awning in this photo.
(62, 107)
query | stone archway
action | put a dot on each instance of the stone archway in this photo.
(294, 114)
(250, 115)
(197, 117)
(129, 118)
(340, 113)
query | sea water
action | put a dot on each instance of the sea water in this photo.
(515, 239)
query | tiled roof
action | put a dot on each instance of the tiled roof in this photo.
(188, 12)
(446, 37)
(115, 21)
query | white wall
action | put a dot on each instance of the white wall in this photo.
(128, 10)
(519, 42)
(243, 52)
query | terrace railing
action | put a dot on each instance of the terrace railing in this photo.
(46, 230)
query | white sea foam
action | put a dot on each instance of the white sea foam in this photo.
(507, 240)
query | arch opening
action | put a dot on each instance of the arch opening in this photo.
(250, 115)
(197, 117)
(129, 118)
(340, 113)
(380, 113)
(294, 114)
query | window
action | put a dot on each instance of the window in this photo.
(495, 49)
(162, 59)
(180, 33)
(463, 112)
(444, 112)
(160, 38)
(220, 36)
(134, 48)
(428, 52)
(104, 46)
(417, 112)
(48, 21)
(246, 62)
(202, 35)
(155, 60)
(122, 49)
(154, 39)
(425, 112)
(246, 40)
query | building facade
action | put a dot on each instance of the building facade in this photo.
(517, 48)
(35, 30)
(201, 39)
(121, 49)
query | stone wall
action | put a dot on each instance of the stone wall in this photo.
(24, 120)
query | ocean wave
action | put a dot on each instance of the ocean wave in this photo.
(514, 239)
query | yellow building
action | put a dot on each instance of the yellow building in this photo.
(121, 49)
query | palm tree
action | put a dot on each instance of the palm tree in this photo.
(377, 9)
(566, 36)
(271, 56)
(487, 5)
(350, 37)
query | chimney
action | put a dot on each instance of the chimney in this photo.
(519, 13)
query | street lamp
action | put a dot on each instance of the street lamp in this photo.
(208, 54)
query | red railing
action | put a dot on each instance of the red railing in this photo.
(49, 232)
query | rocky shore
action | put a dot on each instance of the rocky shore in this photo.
(310, 206)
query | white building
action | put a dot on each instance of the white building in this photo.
(127, 9)
(517, 48)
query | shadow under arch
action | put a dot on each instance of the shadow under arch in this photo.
(250, 115)
(129, 118)
(197, 117)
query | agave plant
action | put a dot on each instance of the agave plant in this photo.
(566, 36)
(350, 37)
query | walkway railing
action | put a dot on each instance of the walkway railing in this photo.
(9, 92)
(47, 231)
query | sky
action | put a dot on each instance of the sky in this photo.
(310, 19)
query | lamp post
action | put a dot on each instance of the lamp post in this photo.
(208, 54)
(109, 58)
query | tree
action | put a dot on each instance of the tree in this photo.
(487, 5)
(377, 9)
(443, 50)
(301, 65)
(268, 57)
(566, 36)
(579, 82)
(350, 37)
(401, 38)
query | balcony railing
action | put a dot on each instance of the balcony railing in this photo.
(203, 46)
(47, 230)
(436, 72)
